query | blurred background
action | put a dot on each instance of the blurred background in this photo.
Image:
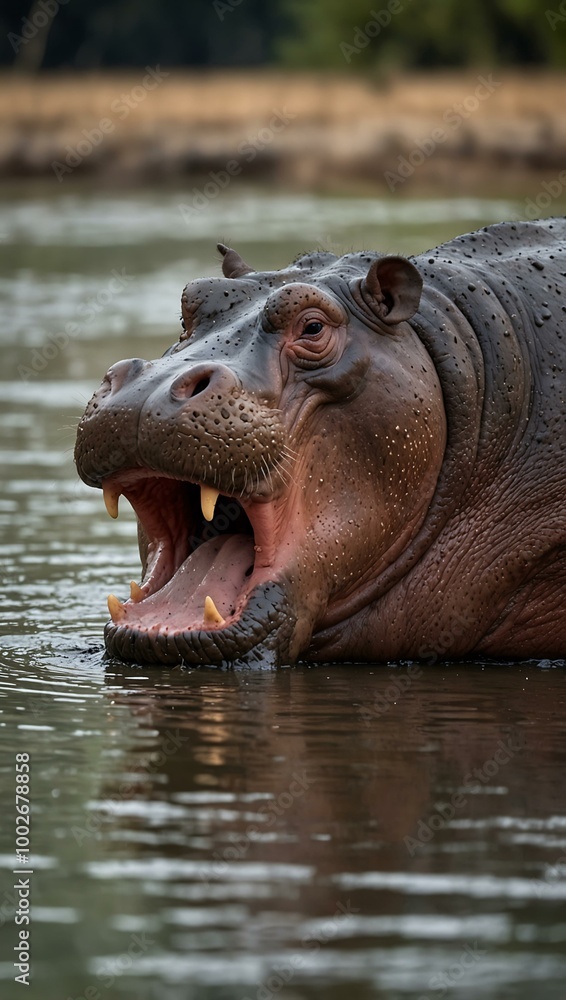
(359, 88)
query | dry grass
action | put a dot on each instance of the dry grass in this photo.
(341, 127)
(247, 98)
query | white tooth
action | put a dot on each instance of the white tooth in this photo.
(111, 498)
(208, 498)
(136, 593)
(212, 615)
(117, 610)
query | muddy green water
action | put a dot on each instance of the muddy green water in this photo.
(337, 832)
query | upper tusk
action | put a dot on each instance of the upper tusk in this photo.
(111, 498)
(117, 610)
(208, 498)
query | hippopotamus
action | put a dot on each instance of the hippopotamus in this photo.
(355, 458)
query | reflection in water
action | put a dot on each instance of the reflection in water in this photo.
(275, 829)
(207, 835)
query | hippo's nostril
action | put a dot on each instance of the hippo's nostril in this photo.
(191, 384)
(123, 372)
(199, 386)
(203, 378)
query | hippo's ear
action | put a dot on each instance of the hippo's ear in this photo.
(393, 286)
(233, 266)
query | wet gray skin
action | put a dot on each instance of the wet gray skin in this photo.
(386, 438)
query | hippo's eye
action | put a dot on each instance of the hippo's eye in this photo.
(185, 334)
(313, 328)
(315, 340)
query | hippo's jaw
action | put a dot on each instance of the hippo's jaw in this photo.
(213, 589)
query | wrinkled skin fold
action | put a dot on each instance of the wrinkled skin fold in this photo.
(354, 458)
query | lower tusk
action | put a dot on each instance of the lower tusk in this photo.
(136, 593)
(212, 615)
(117, 610)
(111, 498)
(208, 498)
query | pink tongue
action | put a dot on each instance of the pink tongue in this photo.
(216, 569)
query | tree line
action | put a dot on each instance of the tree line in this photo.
(356, 35)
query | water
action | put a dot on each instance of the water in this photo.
(340, 832)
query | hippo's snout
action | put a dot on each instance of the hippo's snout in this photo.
(194, 421)
(199, 457)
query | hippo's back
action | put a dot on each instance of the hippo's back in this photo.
(522, 263)
(507, 283)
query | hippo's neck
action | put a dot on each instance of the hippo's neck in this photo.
(486, 402)
(479, 352)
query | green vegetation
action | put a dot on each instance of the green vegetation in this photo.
(303, 34)
(424, 33)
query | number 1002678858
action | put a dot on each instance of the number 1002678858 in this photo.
(22, 804)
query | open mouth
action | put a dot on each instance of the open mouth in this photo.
(203, 553)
